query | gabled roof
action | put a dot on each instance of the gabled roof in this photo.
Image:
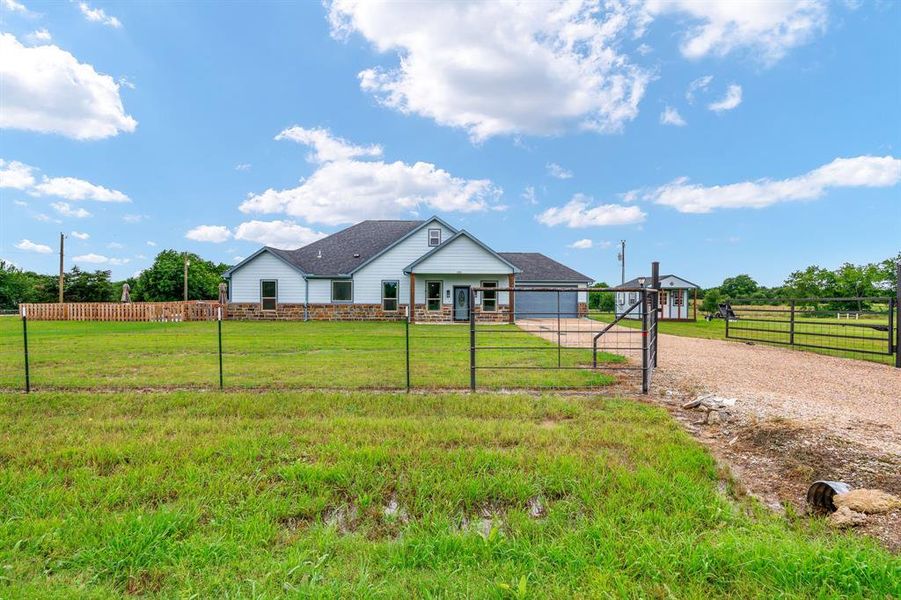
(538, 267)
(633, 283)
(279, 254)
(449, 241)
(345, 251)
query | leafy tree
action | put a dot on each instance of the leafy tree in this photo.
(164, 280)
(740, 286)
(18, 286)
(812, 282)
(711, 300)
(602, 301)
(86, 286)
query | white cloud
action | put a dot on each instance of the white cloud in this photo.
(348, 191)
(278, 234)
(583, 244)
(19, 203)
(671, 116)
(15, 175)
(529, 196)
(151, 244)
(209, 233)
(46, 89)
(242, 167)
(134, 218)
(66, 210)
(555, 170)
(115, 246)
(861, 171)
(578, 213)
(30, 246)
(14, 6)
(100, 259)
(327, 147)
(698, 85)
(731, 100)
(45, 218)
(72, 188)
(501, 68)
(98, 15)
(767, 28)
(80, 235)
(39, 36)
(237, 259)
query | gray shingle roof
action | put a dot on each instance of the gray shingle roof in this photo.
(344, 251)
(538, 267)
(633, 283)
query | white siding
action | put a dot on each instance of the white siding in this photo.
(390, 266)
(320, 291)
(245, 282)
(462, 256)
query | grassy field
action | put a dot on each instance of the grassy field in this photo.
(372, 494)
(283, 354)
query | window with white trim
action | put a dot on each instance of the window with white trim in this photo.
(433, 295)
(390, 290)
(268, 294)
(677, 297)
(434, 237)
(489, 297)
(342, 291)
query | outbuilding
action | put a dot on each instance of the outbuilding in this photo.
(678, 298)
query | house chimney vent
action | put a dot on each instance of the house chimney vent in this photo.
(319, 254)
(356, 255)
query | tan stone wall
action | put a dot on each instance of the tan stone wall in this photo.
(251, 311)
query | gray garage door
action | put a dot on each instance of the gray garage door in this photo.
(543, 305)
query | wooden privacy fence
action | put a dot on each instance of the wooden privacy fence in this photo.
(111, 311)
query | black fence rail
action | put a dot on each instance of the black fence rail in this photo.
(850, 327)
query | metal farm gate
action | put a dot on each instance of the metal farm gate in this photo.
(556, 330)
(847, 327)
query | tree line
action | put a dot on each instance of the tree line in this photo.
(877, 279)
(162, 281)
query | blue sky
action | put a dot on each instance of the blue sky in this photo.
(716, 138)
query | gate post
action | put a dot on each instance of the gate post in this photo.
(791, 325)
(655, 283)
(25, 341)
(472, 342)
(645, 368)
(897, 316)
(407, 344)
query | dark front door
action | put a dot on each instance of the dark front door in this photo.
(461, 303)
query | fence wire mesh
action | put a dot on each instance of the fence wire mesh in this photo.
(535, 352)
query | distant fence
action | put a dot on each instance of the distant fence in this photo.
(132, 311)
(847, 327)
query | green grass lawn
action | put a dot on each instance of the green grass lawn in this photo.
(285, 494)
(282, 354)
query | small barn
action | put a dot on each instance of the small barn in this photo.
(678, 298)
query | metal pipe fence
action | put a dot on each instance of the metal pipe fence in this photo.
(850, 327)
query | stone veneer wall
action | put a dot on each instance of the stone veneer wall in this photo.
(251, 311)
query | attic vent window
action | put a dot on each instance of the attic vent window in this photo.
(434, 237)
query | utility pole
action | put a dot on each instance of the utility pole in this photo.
(622, 259)
(187, 264)
(62, 242)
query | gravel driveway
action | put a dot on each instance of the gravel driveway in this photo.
(853, 399)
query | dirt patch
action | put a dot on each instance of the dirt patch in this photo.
(776, 460)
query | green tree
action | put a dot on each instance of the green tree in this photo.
(87, 286)
(602, 301)
(711, 300)
(18, 286)
(164, 280)
(740, 286)
(812, 282)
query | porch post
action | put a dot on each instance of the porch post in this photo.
(695, 316)
(511, 300)
(412, 297)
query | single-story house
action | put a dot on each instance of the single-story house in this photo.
(376, 269)
(675, 296)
